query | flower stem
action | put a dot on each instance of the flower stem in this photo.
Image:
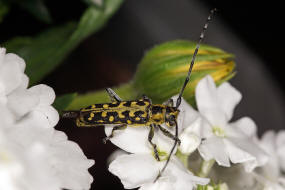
(206, 167)
(183, 158)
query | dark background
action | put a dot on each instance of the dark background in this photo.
(252, 30)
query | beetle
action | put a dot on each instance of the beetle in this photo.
(136, 113)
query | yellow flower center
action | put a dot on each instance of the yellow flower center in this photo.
(219, 132)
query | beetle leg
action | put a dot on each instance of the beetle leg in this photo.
(115, 128)
(113, 96)
(150, 136)
(168, 134)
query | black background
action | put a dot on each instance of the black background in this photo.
(109, 57)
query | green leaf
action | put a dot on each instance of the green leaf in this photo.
(62, 102)
(46, 51)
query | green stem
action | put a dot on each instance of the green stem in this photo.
(206, 167)
(125, 91)
(183, 158)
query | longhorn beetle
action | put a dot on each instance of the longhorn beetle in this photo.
(135, 113)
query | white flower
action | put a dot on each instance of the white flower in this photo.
(11, 74)
(270, 175)
(221, 140)
(235, 177)
(33, 103)
(33, 155)
(140, 168)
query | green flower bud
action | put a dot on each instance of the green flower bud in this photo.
(162, 71)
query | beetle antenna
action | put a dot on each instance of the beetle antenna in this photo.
(171, 152)
(178, 102)
(70, 114)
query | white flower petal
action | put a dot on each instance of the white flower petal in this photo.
(280, 139)
(134, 170)
(175, 177)
(13, 58)
(20, 102)
(25, 82)
(131, 139)
(246, 125)
(160, 184)
(214, 148)
(7, 118)
(229, 97)
(188, 114)
(2, 55)
(68, 153)
(3, 97)
(115, 154)
(135, 139)
(236, 154)
(253, 149)
(50, 113)
(181, 178)
(208, 102)
(191, 137)
(10, 81)
(42, 116)
(280, 143)
(45, 93)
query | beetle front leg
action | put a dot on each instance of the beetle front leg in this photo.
(150, 136)
(115, 128)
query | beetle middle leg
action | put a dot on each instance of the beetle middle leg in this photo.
(150, 136)
(168, 134)
(115, 128)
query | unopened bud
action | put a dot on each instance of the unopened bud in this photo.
(163, 70)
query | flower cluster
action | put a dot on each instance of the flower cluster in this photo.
(229, 154)
(33, 155)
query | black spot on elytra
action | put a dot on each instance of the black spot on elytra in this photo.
(140, 103)
(126, 114)
(128, 104)
(112, 105)
(156, 109)
(99, 105)
(138, 113)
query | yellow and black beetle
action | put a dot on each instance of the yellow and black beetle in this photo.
(137, 113)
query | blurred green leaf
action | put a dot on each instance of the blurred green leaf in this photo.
(46, 51)
(62, 102)
(37, 8)
(4, 9)
(98, 3)
(125, 91)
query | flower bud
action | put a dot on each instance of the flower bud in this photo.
(163, 70)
